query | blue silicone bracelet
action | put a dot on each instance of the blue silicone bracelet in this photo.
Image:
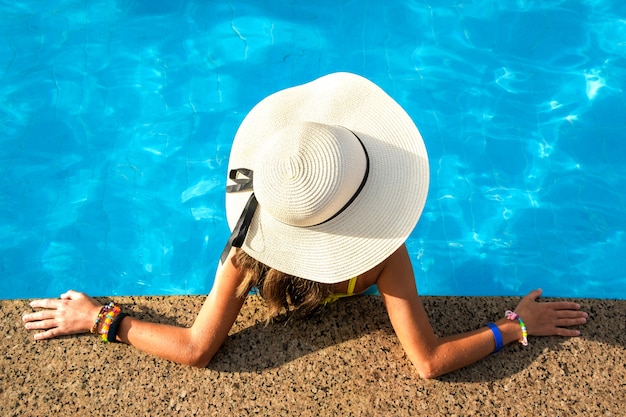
(497, 336)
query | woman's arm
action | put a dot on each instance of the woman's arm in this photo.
(434, 356)
(75, 313)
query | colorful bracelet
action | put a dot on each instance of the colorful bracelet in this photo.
(108, 319)
(497, 336)
(114, 326)
(101, 314)
(511, 315)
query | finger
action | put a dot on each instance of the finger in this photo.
(564, 305)
(570, 314)
(71, 295)
(41, 324)
(38, 316)
(48, 334)
(45, 303)
(534, 294)
(567, 322)
(567, 332)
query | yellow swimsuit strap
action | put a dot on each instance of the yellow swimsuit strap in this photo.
(336, 296)
(351, 285)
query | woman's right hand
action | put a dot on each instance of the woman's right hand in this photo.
(73, 313)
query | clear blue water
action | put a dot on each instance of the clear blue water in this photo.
(117, 117)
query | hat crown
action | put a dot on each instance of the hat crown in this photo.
(308, 172)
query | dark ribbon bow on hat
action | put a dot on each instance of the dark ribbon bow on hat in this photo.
(240, 230)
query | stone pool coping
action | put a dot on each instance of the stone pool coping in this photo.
(344, 361)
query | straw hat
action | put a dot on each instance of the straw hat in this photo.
(326, 179)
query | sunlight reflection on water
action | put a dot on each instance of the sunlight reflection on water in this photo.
(118, 118)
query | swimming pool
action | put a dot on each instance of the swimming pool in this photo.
(117, 117)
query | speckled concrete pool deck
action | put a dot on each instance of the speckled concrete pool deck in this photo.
(343, 361)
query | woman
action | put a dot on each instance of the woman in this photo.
(326, 182)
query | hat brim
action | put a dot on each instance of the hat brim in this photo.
(382, 216)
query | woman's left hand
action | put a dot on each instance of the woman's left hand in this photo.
(73, 313)
(550, 318)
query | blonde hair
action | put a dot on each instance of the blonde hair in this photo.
(282, 292)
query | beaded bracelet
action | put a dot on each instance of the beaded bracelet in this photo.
(103, 311)
(511, 315)
(497, 336)
(108, 319)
